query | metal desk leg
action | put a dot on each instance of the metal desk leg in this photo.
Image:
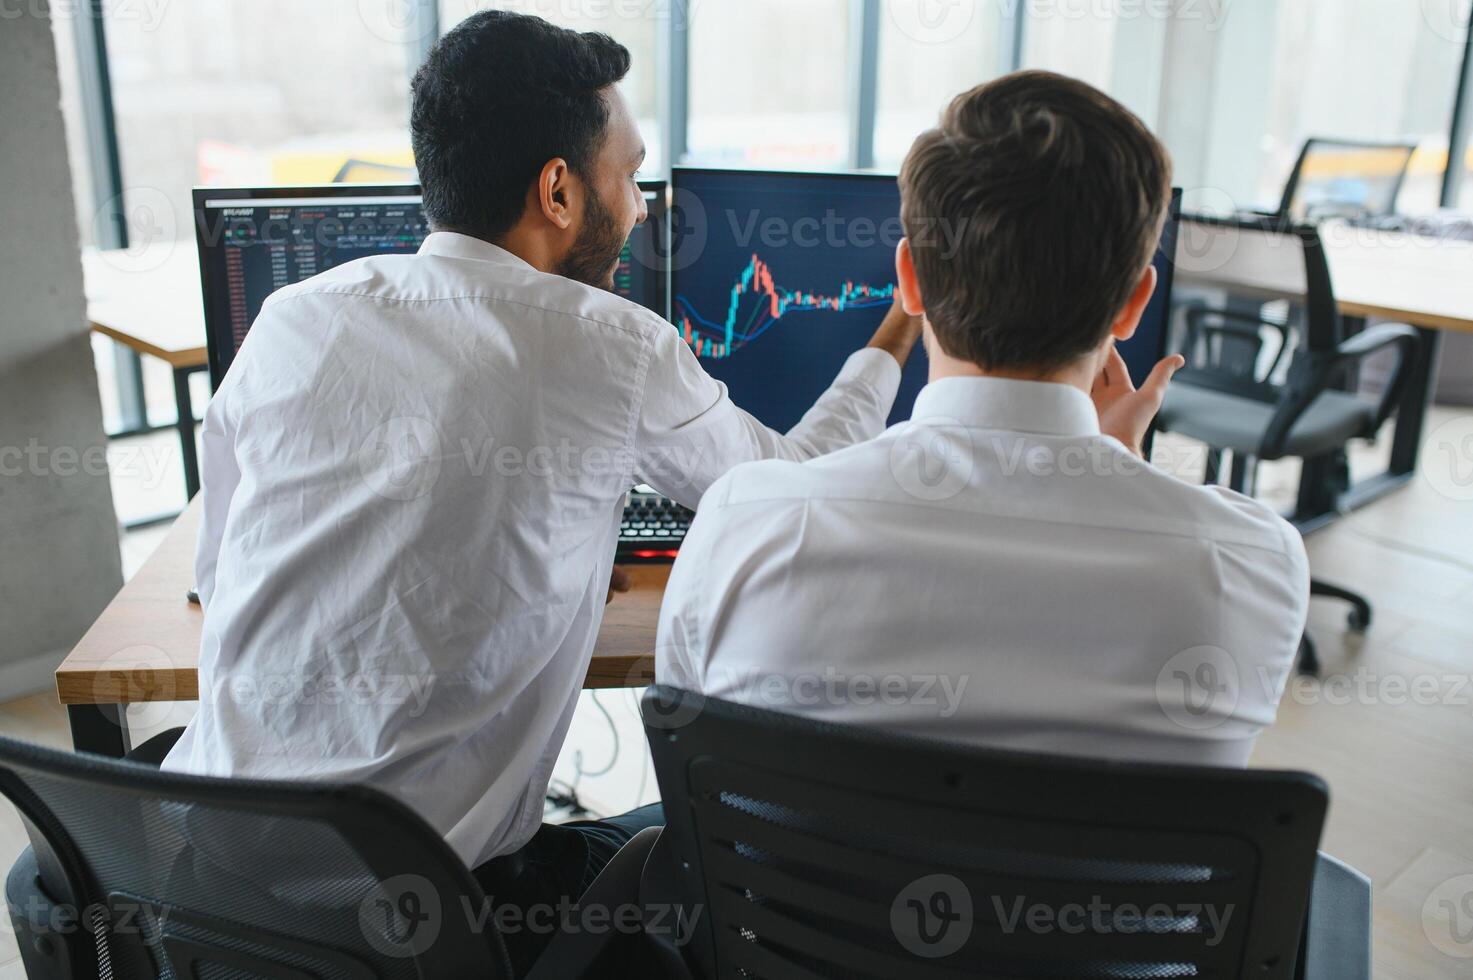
(185, 424)
(1411, 415)
(100, 728)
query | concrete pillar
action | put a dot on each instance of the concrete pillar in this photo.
(59, 562)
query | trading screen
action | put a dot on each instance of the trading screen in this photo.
(253, 242)
(777, 278)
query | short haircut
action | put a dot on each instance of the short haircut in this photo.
(498, 97)
(1032, 210)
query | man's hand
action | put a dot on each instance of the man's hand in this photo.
(1126, 413)
(619, 581)
(898, 333)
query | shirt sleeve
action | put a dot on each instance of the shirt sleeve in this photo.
(690, 433)
(219, 476)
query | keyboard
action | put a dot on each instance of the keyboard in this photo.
(653, 527)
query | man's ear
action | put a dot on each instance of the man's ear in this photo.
(1130, 316)
(553, 193)
(905, 280)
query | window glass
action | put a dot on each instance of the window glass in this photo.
(770, 82)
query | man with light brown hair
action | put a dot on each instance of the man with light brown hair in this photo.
(1004, 568)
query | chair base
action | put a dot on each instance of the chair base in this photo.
(1358, 621)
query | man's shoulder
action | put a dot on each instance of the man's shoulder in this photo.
(432, 279)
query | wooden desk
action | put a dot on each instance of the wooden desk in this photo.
(149, 301)
(145, 645)
(1376, 274)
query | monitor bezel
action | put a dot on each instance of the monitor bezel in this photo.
(206, 252)
(219, 362)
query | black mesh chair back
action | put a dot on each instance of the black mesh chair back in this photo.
(1345, 179)
(193, 878)
(802, 850)
(1244, 349)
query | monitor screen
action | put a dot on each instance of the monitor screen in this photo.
(776, 278)
(254, 241)
(1148, 345)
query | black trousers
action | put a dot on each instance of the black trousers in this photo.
(548, 874)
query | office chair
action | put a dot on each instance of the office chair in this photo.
(1321, 187)
(1233, 396)
(805, 849)
(133, 872)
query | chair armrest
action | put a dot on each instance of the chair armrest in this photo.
(573, 954)
(1311, 373)
(1337, 941)
(1378, 338)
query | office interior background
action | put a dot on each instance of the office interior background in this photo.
(117, 108)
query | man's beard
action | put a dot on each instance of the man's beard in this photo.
(595, 254)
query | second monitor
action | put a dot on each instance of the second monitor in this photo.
(778, 277)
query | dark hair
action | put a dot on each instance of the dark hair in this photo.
(1032, 210)
(498, 97)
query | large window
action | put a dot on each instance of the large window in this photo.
(770, 82)
(929, 53)
(1243, 94)
(636, 25)
(270, 91)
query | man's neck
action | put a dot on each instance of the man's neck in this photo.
(530, 248)
(1081, 374)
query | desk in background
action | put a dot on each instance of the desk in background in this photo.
(148, 300)
(145, 645)
(1377, 274)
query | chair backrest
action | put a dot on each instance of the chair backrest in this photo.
(1345, 178)
(1234, 344)
(803, 849)
(198, 878)
(1264, 259)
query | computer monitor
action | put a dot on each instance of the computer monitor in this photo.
(777, 277)
(255, 240)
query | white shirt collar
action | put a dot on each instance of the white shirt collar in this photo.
(458, 246)
(1015, 406)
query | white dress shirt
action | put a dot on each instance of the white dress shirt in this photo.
(412, 485)
(993, 571)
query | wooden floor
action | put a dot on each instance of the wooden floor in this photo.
(1400, 771)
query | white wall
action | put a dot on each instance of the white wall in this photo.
(58, 534)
